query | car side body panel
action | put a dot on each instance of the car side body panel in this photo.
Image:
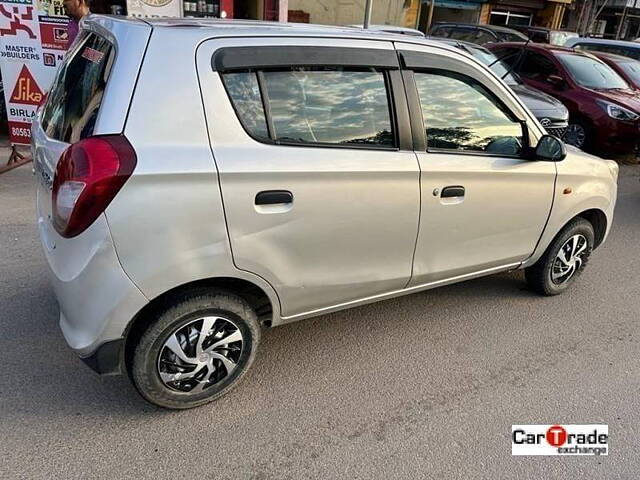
(584, 182)
(168, 222)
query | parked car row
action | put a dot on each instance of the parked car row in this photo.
(597, 80)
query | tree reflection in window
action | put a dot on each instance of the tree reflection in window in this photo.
(460, 115)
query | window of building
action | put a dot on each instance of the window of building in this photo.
(460, 114)
(507, 17)
(329, 106)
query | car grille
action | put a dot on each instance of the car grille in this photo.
(558, 132)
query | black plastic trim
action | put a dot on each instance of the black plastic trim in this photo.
(274, 197)
(452, 191)
(400, 118)
(418, 130)
(107, 359)
(243, 58)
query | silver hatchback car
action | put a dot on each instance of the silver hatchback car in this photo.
(201, 180)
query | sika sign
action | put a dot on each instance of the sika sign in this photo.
(26, 90)
(32, 41)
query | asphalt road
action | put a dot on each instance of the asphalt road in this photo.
(425, 386)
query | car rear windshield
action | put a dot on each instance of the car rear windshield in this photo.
(560, 38)
(631, 51)
(74, 100)
(591, 73)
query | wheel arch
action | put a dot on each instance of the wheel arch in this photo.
(598, 220)
(256, 296)
(594, 215)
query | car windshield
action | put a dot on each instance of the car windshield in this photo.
(632, 69)
(499, 68)
(591, 73)
(510, 37)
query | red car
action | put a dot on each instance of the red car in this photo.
(604, 111)
(627, 68)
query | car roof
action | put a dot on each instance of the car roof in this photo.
(458, 43)
(203, 28)
(602, 41)
(614, 57)
(392, 29)
(495, 28)
(540, 46)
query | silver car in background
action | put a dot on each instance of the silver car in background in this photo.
(199, 181)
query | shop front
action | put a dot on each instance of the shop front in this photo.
(166, 8)
(463, 11)
(521, 13)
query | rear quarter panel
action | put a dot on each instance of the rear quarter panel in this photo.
(168, 222)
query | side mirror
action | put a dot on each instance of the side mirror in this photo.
(556, 80)
(551, 149)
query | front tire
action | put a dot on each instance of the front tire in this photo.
(578, 134)
(564, 260)
(196, 350)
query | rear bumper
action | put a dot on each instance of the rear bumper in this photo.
(97, 299)
(108, 359)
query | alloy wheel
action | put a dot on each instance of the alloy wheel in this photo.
(569, 259)
(200, 354)
(576, 135)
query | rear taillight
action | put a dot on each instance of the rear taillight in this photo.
(88, 176)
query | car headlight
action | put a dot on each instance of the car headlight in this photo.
(618, 112)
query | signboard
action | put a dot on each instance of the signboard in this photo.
(154, 8)
(33, 40)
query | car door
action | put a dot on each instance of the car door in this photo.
(484, 206)
(318, 177)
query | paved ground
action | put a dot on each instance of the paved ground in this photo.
(425, 386)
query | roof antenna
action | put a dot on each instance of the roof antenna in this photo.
(367, 14)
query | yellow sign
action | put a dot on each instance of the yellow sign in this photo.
(52, 8)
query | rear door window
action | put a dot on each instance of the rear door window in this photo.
(75, 98)
(314, 105)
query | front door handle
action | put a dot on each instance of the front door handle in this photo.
(274, 197)
(452, 191)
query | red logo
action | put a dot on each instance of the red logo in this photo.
(94, 56)
(17, 18)
(26, 90)
(54, 34)
(556, 436)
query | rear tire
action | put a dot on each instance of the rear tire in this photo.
(564, 260)
(182, 360)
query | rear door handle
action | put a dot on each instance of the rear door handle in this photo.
(452, 191)
(274, 197)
